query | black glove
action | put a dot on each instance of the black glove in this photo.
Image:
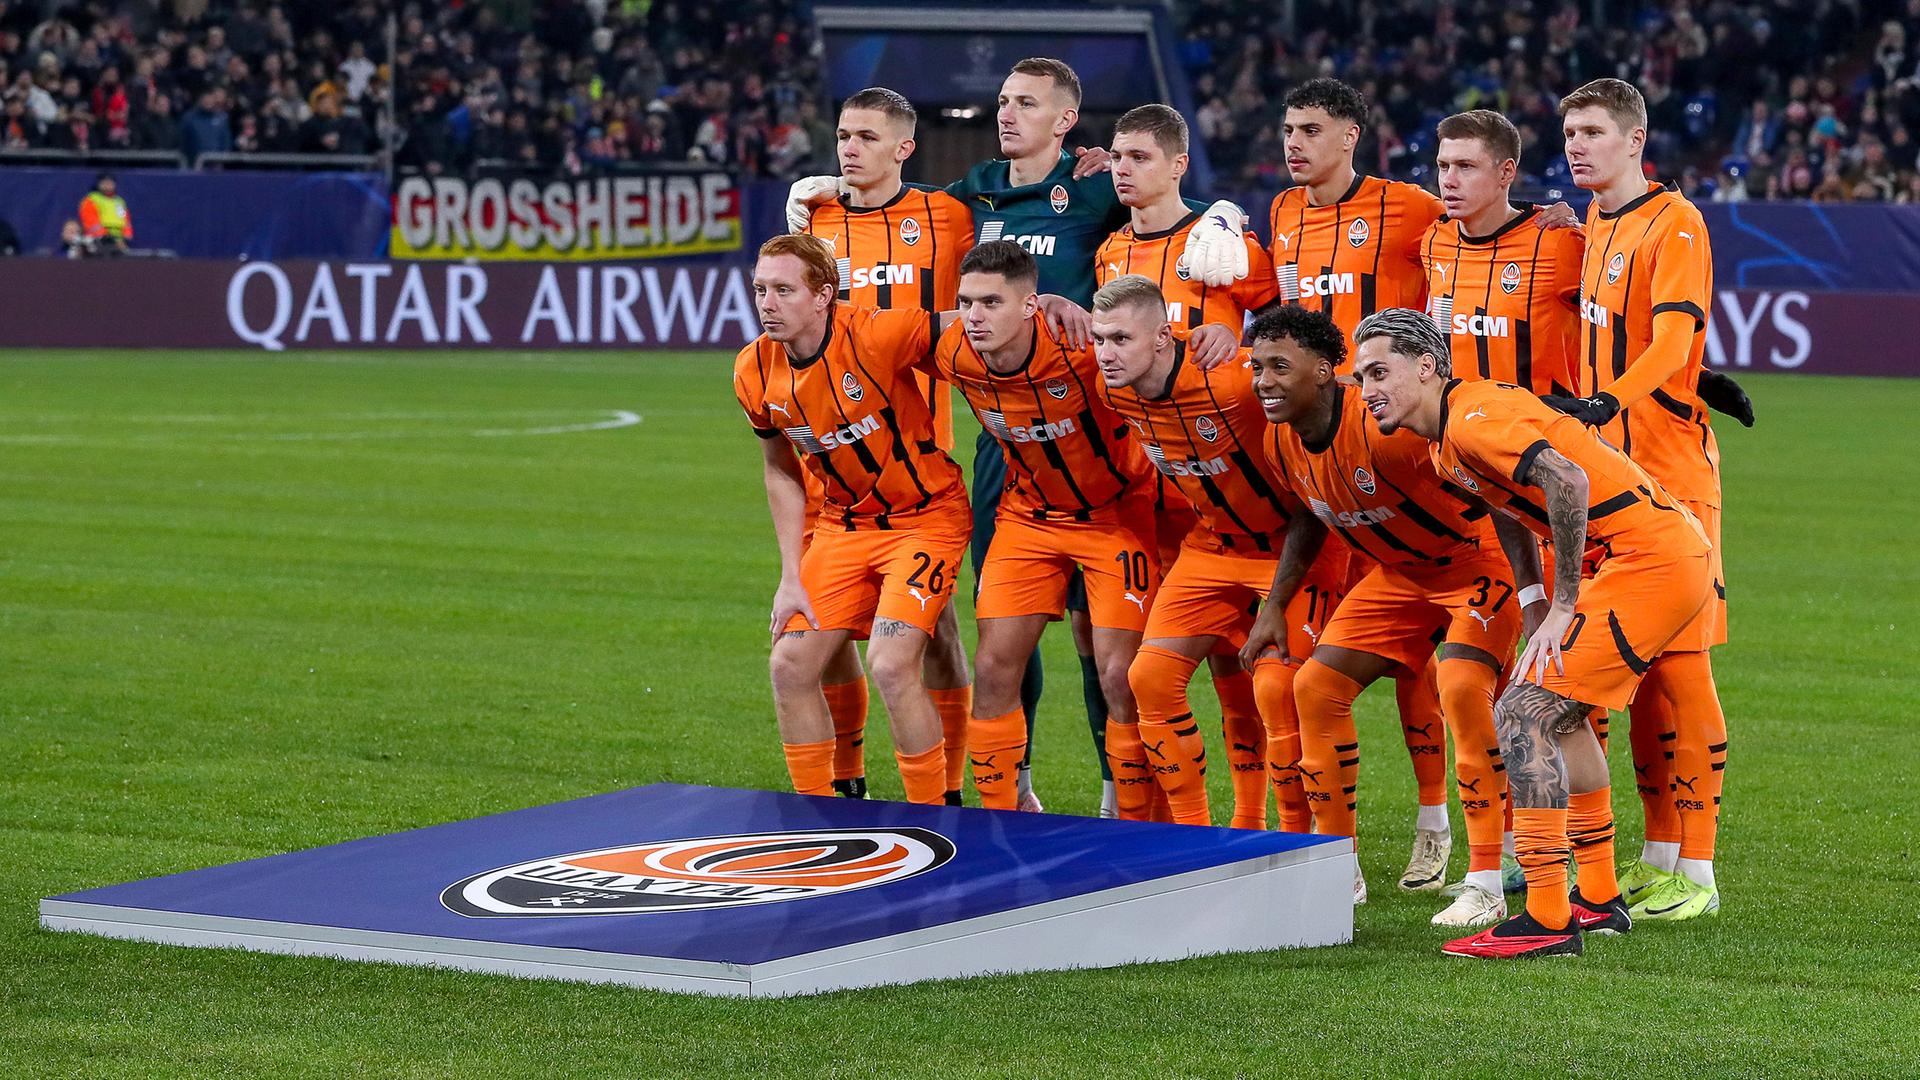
(1592, 411)
(1724, 396)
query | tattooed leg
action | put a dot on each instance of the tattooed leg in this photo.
(1530, 721)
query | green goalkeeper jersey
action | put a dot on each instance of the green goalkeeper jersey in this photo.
(1062, 221)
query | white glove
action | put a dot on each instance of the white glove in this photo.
(1216, 252)
(807, 193)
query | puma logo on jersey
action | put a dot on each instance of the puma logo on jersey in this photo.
(1046, 431)
(917, 595)
(1485, 622)
(1441, 270)
(1185, 467)
(860, 277)
(1284, 238)
(1489, 326)
(1135, 601)
(1113, 270)
(779, 408)
(1481, 412)
(1687, 236)
(1326, 285)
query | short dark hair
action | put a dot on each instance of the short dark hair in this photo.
(1314, 331)
(1622, 100)
(1331, 96)
(1167, 127)
(1411, 334)
(1494, 131)
(1062, 75)
(891, 102)
(1003, 257)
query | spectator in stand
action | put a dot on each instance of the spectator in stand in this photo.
(154, 128)
(74, 243)
(104, 218)
(206, 129)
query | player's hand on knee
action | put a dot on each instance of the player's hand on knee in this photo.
(791, 599)
(807, 193)
(1216, 252)
(1543, 646)
(1067, 321)
(1269, 634)
(1093, 160)
(1211, 345)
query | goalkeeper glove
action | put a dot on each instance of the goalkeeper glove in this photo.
(1216, 252)
(1592, 411)
(807, 193)
(1723, 395)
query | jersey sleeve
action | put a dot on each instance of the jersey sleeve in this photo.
(1569, 250)
(748, 391)
(1681, 289)
(900, 339)
(1259, 288)
(1424, 210)
(955, 224)
(1503, 441)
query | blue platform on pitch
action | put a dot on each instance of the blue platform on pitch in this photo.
(998, 861)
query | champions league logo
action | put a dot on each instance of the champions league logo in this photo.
(701, 873)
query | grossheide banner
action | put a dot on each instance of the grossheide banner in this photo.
(332, 261)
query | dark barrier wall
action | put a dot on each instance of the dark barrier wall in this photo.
(672, 303)
(210, 214)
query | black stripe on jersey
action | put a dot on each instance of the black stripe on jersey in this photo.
(865, 455)
(1523, 334)
(1048, 448)
(928, 298)
(1012, 449)
(1096, 438)
(1625, 648)
(1528, 507)
(1671, 404)
(1255, 478)
(826, 460)
(1687, 306)
(883, 294)
(1612, 506)
(1369, 282)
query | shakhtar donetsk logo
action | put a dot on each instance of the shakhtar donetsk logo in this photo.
(1358, 232)
(1363, 480)
(1056, 390)
(1509, 277)
(1615, 265)
(700, 874)
(1207, 429)
(852, 386)
(909, 232)
(1059, 198)
(1180, 270)
(1468, 482)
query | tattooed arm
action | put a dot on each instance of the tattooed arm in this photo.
(1305, 536)
(787, 502)
(1523, 554)
(1565, 487)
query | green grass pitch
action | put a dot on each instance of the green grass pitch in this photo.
(252, 604)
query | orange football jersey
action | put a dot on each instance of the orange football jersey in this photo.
(1069, 458)
(1202, 431)
(1648, 257)
(905, 254)
(1490, 434)
(855, 414)
(1356, 255)
(1510, 301)
(1190, 303)
(1380, 492)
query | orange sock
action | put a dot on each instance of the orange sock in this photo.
(1600, 723)
(1540, 843)
(924, 774)
(1699, 748)
(995, 745)
(1175, 749)
(1590, 831)
(1425, 731)
(955, 707)
(1329, 746)
(847, 702)
(1273, 689)
(1466, 699)
(1246, 748)
(811, 766)
(1133, 783)
(1650, 732)
(1157, 808)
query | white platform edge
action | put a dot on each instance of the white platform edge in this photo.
(1289, 900)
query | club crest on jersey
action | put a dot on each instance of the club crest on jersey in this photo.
(1615, 265)
(1058, 199)
(1180, 270)
(909, 232)
(1358, 232)
(1466, 481)
(1207, 429)
(1510, 277)
(1363, 480)
(700, 873)
(852, 387)
(1056, 390)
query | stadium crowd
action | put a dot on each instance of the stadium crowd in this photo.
(573, 86)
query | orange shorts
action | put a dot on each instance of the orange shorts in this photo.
(1710, 628)
(905, 573)
(1211, 593)
(1628, 613)
(1400, 612)
(1029, 563)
